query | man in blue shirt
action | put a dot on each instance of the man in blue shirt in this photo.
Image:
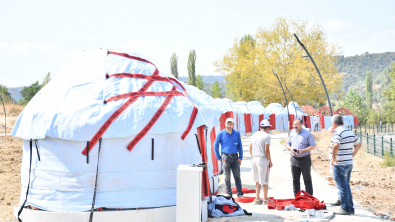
(301, 143)
(230, 141)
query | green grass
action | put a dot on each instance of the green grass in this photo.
(388, 160)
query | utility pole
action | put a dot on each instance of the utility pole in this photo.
(14, 96)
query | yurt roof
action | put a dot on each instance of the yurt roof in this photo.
(257, 107)
(292, 105)
(277, 109)
(242, 107)
(94, 89)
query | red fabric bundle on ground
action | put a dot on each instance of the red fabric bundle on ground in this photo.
(303, 200)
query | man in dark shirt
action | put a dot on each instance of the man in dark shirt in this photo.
(230, 141)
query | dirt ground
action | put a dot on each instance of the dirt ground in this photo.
(372, 185)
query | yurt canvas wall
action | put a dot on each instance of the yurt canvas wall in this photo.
(244, 118)
(258, 113)
(281, 115)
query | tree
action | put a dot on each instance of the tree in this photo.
(199, 82)
(4, 90)
(215, 90)
(354, 103)
(191, 68)
(29, 92)
(390, 93)
(46, 80)
(5, 95)
(173, 65)
(369, 89)
(250, 77)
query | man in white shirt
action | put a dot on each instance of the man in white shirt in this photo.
(261, 160)
(316, 124)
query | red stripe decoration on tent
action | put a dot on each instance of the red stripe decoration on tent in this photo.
(291, 121)
(205, 181)
(322, 122)
(112, 118)
(134, 96)
(237, 121)
(191, 121)
(145, 130)
(213, 158)
(229, 114)
(272, 121)
(222, 120)
(306, 121)
(247, 123)
(261, 117)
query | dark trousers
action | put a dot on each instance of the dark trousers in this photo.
(231, 163)
(303, 166)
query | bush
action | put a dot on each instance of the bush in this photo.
(389, 160)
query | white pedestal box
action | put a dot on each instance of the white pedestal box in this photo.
(190, 206)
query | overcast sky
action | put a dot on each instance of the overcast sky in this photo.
(41, 36)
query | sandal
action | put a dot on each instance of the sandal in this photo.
(258, 201)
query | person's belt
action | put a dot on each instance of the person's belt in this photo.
(233, 154)
(301, 157)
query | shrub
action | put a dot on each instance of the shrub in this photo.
(389, 160)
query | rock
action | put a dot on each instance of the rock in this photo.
(390, 169)
(363, 183)
(12, 159)
(8, 203)
(2, 197)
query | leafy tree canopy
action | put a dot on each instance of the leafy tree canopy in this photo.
(199, 82)
(174, 65)
(354, 103)
(215, 90)
(250, 77)
(191, 68)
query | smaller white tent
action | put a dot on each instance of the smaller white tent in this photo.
(281, 115)
(244, 120)
(256, 110)
(348, 121)
(299, 113)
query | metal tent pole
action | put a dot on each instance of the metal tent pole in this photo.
(318, 71)
(286, 101)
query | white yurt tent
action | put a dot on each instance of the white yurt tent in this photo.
(281, 115)
(139, 125)
(299, 113)
(348, 121)
(244, 120)
(257, 110)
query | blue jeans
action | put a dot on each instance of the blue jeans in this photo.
(232, 163)
(342, 176)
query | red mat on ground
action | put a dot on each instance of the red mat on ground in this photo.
(245, 199)
(244, 190)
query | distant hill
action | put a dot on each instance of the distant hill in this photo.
(208, 83)
(354, 68)
(17, 90)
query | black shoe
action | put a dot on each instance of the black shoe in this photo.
(342, 212)
(336, 203)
